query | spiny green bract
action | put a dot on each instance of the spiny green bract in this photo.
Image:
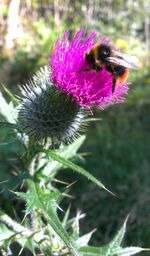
(47, 112)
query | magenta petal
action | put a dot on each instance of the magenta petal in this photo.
(86, 88)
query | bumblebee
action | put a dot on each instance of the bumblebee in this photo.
(115, 62)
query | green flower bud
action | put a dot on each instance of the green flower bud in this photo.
(45, 112)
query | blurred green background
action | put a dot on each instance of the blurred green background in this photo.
(117, 147)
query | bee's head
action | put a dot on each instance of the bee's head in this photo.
(104, 52)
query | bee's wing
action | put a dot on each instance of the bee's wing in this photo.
(129, 58)
(122, 62)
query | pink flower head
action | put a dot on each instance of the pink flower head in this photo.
(87, 88)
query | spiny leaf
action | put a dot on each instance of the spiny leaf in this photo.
(5, 233)
(76, 168)
(66, 152)
(102, 251)
(116, 242)
(84, 240)
(71, 150)
(93, 251)
(127, 251)
(7, 110)
(13, 225)
(34, 198)
(75, 227)
(11, 96)
(57, 226)
(27, 243)
(46, 203)
(66, 217)
(14, 182)
(113, 248)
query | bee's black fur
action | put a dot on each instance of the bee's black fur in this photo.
(97, 57)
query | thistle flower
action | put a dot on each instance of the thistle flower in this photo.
(86, 88)
(54, 102)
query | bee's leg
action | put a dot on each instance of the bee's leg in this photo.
(114, 83)
(94, 68)
(84, 70)
(97, 68)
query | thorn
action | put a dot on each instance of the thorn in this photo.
(126, 219)
(69, 196)
(71, 184)
(4, 181)
(93, 231)
(58, 207)
(110, 191)
(61, 181)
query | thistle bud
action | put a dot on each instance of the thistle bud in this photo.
(45, 112)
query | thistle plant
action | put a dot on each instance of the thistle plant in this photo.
(47, 119)
(56, 101)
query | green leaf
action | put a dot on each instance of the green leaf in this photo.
(11, 96)
(127, 251)
(66, 152)
(13, 225)
(7, 110)
(27, 243)
(93, 251)
(116, 242)
(71, 150)
(45, 202)
(34, 198)
(75, 227)
(5, 233)
(57, 226)
(84, 240)
(102, 251)
(113, 248)
(75, 168)
(66, 217)
(13, 182)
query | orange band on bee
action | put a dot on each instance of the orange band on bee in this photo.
(123, 78)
